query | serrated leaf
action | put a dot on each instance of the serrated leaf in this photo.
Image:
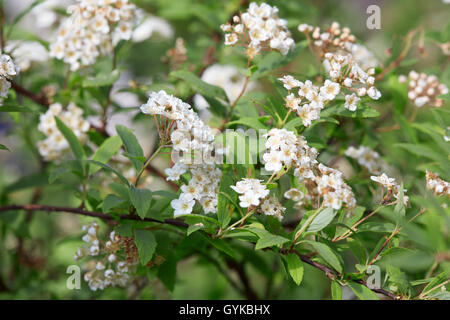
(132, 145)
(268, 239)
(104, 153)
(327, 254)
(111, 169)
(146, 245)
(295, 267)
(322, 220)
(141, 199)
(361, 291)
(73, 141)
(111, 201)
(3, 147)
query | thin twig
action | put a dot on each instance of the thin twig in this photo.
(331, 274)
(94, 214)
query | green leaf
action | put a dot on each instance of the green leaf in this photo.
(362, 292)
(74, 143)
(225, 199)
(141, 199)
(327, 254)
(292, 124)
(443, 276)
(25, 182)
(132, 145)
(14, 108)
(336, 290)
(102, 80)
(222, 245)
(253, 123)
(295, 267)
(322, 220)
(3, 147)
(111, 201)
(192, 228)
(104, 153)
(167, 272)
(111, 169)
(203, 88)
(362, 111)
(146, 245)
(268, 239)
(60, 171)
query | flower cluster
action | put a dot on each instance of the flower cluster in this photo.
(282, 147)
(55, 145)
(272, 207)
(7, 71)
(190, 137)
(109, 269)
(251, 192)
(366, 157)
(259, 28)
(228, 78)
(424, 89)
(363, 56)
(25, 53)
(93, 29)
(316, 97)
(345, 70)
(392, 187)
(437, 185)
(332, 38)
(286, 149)
(332, 187)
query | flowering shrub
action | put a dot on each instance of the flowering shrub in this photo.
(254, 156)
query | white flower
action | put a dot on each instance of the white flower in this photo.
(289, 82)
(330, 90)
(251, 191)
(384, 180)
(373, 93)
(182, 206)
(259, 27)
(26, 52)
(273, 161)
(351, 102)
(93, 28)
(272, 207)
(231, 39)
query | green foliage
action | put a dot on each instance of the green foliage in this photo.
(233, 252)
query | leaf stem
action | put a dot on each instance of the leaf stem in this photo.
(147, 162)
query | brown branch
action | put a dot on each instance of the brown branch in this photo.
(331, 274)
(79, 211)
(223, 272)
(250, 294)
(40, 98)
